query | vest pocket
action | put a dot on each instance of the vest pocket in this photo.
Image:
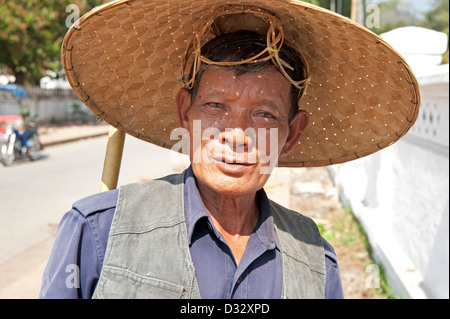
(119, 283)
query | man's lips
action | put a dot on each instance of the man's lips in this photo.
(232, 161)
(232, 166)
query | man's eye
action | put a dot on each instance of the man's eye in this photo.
(265, 115)
(214, 105)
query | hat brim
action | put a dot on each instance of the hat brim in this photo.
(123, 60)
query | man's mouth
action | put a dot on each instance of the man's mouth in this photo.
(231, 165)
(232, 161)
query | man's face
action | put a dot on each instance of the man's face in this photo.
(238, 125)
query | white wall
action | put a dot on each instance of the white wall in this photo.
(401, 194)
(44, 105)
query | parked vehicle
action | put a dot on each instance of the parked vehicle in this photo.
(19, 144)
(18, 134)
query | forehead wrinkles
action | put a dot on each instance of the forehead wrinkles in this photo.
(269, 87)
(267, 84)
(220, 83)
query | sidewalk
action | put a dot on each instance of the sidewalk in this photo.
(56, 135)
(20, 277)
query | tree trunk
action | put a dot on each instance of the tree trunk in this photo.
(20, 77)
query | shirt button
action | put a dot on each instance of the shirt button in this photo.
(239, 280)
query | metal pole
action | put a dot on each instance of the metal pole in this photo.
(333, 5)
(357, 11)
(339, 7)
(113, 159)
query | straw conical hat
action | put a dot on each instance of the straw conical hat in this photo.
(123, 60)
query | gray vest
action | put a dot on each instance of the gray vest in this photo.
(148, 255)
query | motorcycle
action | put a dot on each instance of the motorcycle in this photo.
(18, 133)
(17, 143)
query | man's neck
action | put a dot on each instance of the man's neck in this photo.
(234, 218)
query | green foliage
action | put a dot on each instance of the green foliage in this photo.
(320, 3)
(31, 33)
(345, 231)
(344, 10)
(397, 13)
(394, 14)
(385, 288)
(438, 19)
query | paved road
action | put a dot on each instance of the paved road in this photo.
(35, 195)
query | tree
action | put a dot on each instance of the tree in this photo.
(437, 19)
(31, 33)
(341, 6)
(397, 13)
(394, 14)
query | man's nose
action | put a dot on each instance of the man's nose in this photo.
(234, 137)
(238, 139)
(236, 131)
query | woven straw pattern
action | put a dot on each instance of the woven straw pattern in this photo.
(124, 61)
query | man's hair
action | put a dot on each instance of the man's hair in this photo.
(242, 45)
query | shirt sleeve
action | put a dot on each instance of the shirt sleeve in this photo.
(73, 266)
(75, 263)
(333, 288)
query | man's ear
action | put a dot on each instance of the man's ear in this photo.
(296, 129)
(183, 100)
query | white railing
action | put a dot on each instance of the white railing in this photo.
(431, 129)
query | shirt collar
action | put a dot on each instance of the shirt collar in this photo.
(195, 210)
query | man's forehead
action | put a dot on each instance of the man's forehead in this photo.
(223, 82)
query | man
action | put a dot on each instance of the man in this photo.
(210, 232)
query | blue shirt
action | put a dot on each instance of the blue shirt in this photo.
(77, 256)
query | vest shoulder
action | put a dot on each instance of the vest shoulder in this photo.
(291, 219)
(300, 240)
(97, 203)
(156, 184)
(147, 205)
(101, 202)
